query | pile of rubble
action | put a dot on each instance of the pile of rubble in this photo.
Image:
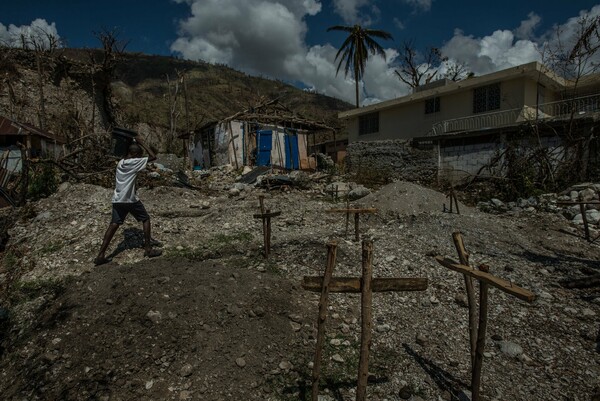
(565, 203)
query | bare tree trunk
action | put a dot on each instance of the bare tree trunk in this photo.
(356, 83)
(42, 105)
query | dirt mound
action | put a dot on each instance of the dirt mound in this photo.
(405, 198)
(163, 329)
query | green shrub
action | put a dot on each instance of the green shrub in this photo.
(43, 181)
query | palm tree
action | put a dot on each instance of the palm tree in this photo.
(356, 48)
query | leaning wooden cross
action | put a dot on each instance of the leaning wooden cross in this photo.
(582, 206)
(366, 286)
(477, 327)
(266, 215)
(357, 212)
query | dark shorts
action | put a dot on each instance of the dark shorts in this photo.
(121, 210)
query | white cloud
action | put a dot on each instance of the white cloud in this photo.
(399, 24)
(268, 38)
(381, 82)
(525, 30)
(504, 48)
(420, 5)
(349, 11)
(38, 32)
(567, 37)
(256, 36)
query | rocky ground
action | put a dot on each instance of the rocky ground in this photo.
(212, 319)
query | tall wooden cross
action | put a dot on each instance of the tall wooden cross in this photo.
(366, 285)
(478, 326)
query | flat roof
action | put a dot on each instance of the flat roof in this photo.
(533, 70)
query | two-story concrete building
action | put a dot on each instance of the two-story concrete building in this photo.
(467, 121)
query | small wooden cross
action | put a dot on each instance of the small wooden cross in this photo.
(357, 212)
(335, 193)
(266, 215)
(453, 199)
(478, 326)
(366, 285)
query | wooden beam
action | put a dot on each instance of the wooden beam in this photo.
(323, 302)
(353, 284)
(266, 215)
(367, 210)
(501, 284)
(366, 319)
(463, 257)
(481, 329)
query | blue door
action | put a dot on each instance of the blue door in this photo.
(264, 140)
(291, 152)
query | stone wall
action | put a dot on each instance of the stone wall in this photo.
(396, 158)
(467, 157)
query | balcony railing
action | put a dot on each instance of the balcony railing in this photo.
(545, 111)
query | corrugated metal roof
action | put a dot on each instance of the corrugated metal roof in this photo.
(9, 127)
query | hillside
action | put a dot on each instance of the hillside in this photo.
(75, 86)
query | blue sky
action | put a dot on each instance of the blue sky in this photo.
(287, 39)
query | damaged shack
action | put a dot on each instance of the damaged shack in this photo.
(267, 135)
(19, 142)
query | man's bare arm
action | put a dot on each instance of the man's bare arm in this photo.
(148, 149)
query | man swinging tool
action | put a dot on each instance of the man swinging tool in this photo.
(125, 200)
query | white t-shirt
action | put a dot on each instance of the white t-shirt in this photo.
(127, 170)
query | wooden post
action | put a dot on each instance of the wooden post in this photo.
(347, 215)
(232, 140)
(265, 216)
(485, 280)
(463, 257)
(316, 373)
(366, 320)
(478, 362)
(268, 236)
(365, 285)
(356, 211)
(586, 229)
(261, 200)
(455, 202)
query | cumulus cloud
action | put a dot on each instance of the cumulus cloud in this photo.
(268, 38)
(563, 38)
(525, 30)
(505, 48)
(38, 33)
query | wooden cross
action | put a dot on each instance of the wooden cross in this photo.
(478, 326)
(357, 212)
(453, 199)
(266, 215)
(582, 204)
(335, 193)
(366, 285)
